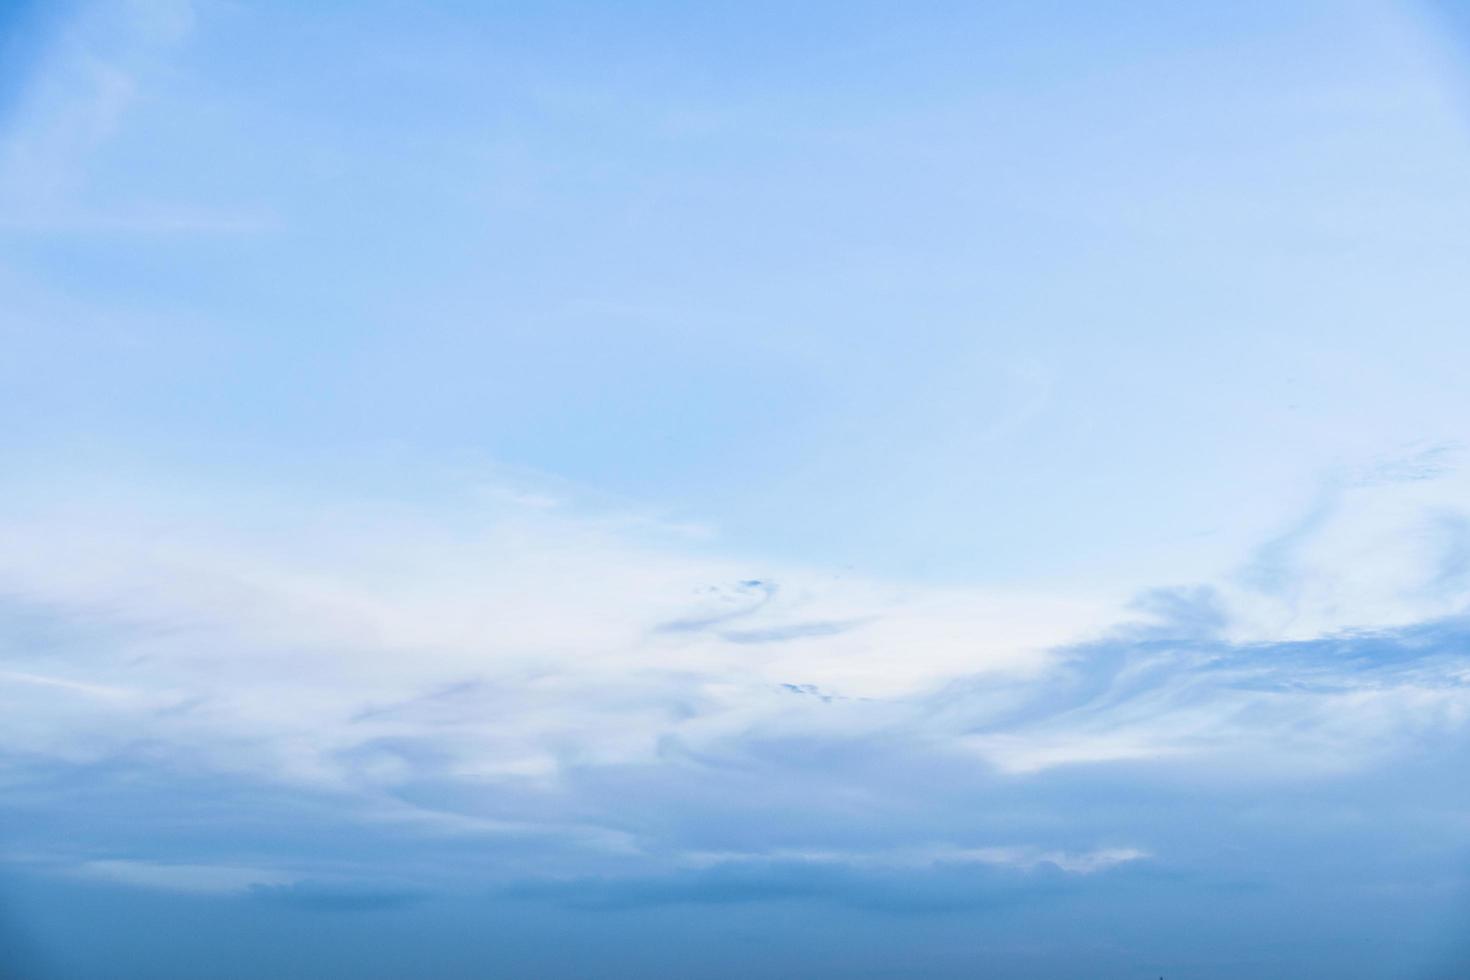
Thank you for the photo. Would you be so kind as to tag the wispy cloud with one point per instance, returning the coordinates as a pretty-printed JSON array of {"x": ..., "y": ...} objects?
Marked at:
[
  {"x": 78, "y": 92},
  {"x": 200, "y": 879}
]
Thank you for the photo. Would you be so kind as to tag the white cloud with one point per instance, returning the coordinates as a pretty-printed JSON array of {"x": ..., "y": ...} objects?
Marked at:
[
  {"x": 521, "y": 640},
  {"x": 1024, "y": 858},
  {"x": 502, "y": 649}
]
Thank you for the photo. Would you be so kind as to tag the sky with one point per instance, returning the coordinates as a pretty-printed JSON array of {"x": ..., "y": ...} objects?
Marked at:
[{"x": 734, "y": 490}]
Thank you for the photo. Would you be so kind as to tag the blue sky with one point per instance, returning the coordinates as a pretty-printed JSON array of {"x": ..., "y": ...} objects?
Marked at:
[{"x": 573, "y": 489}]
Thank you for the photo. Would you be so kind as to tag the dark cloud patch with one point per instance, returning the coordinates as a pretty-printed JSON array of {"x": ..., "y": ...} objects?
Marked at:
[
  {"x": 792, "y": 631},
  {"x": 721, "y": 605},
  {"x": 809, "y": 690}
]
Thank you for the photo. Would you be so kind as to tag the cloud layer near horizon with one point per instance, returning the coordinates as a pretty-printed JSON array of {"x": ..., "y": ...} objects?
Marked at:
[{"x": 589, "y": 695}]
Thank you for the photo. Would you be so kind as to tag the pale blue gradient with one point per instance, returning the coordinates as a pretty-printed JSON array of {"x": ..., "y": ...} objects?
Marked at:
[{"x": 836, "y": 489}]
